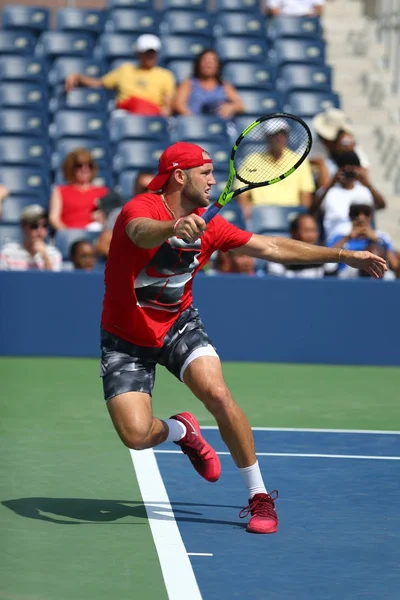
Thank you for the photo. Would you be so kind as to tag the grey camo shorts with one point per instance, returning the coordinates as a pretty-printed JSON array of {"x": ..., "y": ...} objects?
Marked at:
[{"x": 126, "y": 367}]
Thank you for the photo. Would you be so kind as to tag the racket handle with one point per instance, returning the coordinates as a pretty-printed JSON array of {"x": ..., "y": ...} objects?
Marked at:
[{"x": 211, "y": 212}]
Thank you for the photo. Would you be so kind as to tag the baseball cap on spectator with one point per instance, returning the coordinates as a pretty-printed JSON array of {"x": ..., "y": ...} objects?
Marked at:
[
  {"x": 274, "y": 126},
  {"x": 148, "y": 41},
  {"x": 108, "y": 202},
  {"x": 328, "y": 124},
  {"x": 31, "y": 214},
  {"x": 181, "y": 155}
]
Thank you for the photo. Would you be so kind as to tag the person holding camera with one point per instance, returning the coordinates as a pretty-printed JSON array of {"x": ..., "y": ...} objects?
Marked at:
[{"x": 350, "y": 185}]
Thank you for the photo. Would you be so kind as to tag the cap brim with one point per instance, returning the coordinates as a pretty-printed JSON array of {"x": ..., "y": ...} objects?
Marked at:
[{"x": 158, "y": 182}]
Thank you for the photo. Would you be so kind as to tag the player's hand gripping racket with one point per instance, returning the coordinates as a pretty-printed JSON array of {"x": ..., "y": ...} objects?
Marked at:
[{"x": 252, "y": 160}]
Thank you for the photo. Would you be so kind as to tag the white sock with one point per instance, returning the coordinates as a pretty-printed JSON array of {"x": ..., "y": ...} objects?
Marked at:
[
  {"x": 176, "y": 430},
  {"x": 253, "y": 480}
]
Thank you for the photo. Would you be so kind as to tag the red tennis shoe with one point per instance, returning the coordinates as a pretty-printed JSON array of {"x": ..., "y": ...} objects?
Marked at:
[
  {"x": 202, "y": 456},
  {"x": 263, "y": 515}
]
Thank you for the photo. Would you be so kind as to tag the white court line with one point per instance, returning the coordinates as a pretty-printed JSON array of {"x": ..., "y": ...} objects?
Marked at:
[
  {"x": 299, "y": 455},
  {"x": 310, "y": 430},
  {"x": 176, "y": 567},
  {"x": 200, "y": 554}
]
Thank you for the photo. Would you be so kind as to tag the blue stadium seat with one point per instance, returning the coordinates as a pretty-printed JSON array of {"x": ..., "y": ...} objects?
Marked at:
[
  {"x": 294, "y": 27},
  {"x": 187, "y": 22},
  {"x": 17, "y": 42},
  {"x": 250, "y": 76},
  {"x": 200, "y": 5},
  {"x": 240, "y": 23},
  {"x": 293, "y": 77},
  {"x": 14, "y": 205},
  {"x": 87, "y": 99},
  {"x": 137, "y": 155},
  {"x": 134, "y": 21},
  {"x": 62, "y": 67},
  {"x": 308, "y": 104},
  {"x": 200, "y": 127},
  {"x": 242, "y": 49},
  {"x": 131, "y": 127},
  {"x": 28, "y": 18},
  {"x": 23, "y": 122},
  {"x": 23, "y": 95},
  {"x": 111, "y": 46},
  {"x": 125, "y": 183},
  {"x": 175, "y": 47},
  {"x": 23, "y": 68},
  {"x": 64, "y": 238},
  {"x": 232, "y": 212},
  {"x": 182, "y": 69},
  {"x": 296, "y": 50},
  {"x": 26, "y": 181},
  {"x": 261, "y": 102},
  {"x": 53, "y": 44},
  {"x": 99, "y": 149},
  {"x": 242, "y": 122},
  {"x": 273, "y": 219},
  {"x": 9, "y": 233},
  {"x": 73, "y": 123},
  {"x": 249, "y": 6},
  {"x": 23, "y": 151},
  {"x": 75, "y": 19},
  {"x": 219, "y": 152},
  {"x": 130, "y": 4}
]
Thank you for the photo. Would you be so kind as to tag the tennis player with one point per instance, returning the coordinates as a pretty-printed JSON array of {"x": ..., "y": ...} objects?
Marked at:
[{"x": 148, "y": 318}]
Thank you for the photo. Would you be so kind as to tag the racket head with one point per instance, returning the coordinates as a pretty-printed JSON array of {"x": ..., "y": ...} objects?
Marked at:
[{"x": 252, "y": 154}]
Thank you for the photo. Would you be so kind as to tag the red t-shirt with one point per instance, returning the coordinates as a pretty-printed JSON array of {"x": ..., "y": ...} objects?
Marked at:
[
  {"x": 147, "y": 290},
  {"x": 77, "y": 204}
]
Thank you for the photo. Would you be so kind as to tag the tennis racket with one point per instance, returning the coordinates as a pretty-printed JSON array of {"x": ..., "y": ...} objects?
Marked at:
[{"x": 251, "y": 161}]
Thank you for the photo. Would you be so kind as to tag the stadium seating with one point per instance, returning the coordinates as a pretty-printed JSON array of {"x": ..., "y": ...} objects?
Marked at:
[
  {"x": 294, "y": 27},
  {"x": 70, "y": 123},
  {"x": 74, "y": 19},
  {"x": 23, "y": 69},
  {"x": 240, "y": 24},
  {"x": 52, "y": 44},
  {"x": 308, "y": 104},
  {"x": 298, "y": 50},
  {"x": 249, "y": 76},
  {"x": 14, "y": 205},
  {"x": 64, "y": 238},
  {"x": 103, "y": 178},
  {"x": 9, "y": 233},
  {"x": 131, "y": 127},
  {"x": 32, "y": 181},
  {"x": 111, "y": 46},
  {"x": 233, "y": 213},
  {"x": 250, "y": 6},
  {"x": 268, "y": 219},
  {"x": 137, "y": 155},
  {"x": 99, "y": 149},
  {"x": 23, "y": 95},
  {"x": 23, "y": 122},
  {"x": 83, "y": 99},
  {"x": 28, "y": 18},
  {"x": 261, "y": 102},
  {"x": 175, "y": 47},
  {"x": 63, "y": 66},
  {"x": 200, "y": 127},
  {"x": 130, "y": 4},
  {"x": 23, "y": 151},
  {"x": 134, "y": 21},
  {"x": 219, "y": 152},
  {"x": 17, "y": 42},
  {"x": 293, "y": 77},
  {"x": 187, "y": 22},
  {"x": 182, "y": 69},
  {"x": 125, "y": 183},
  {"x": 242, "y": 49},
  {"x": 200, "y": 5}
]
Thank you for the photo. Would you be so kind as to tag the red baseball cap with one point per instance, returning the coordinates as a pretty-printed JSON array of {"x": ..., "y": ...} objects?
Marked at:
[{"x": 181, "y": 155}]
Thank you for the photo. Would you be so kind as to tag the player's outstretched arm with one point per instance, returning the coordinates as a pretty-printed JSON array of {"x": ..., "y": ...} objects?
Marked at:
[{"x": 287, "y": 251}]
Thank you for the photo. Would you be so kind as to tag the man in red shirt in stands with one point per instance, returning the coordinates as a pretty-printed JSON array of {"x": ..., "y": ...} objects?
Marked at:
[{"x": 148, "y": 318}]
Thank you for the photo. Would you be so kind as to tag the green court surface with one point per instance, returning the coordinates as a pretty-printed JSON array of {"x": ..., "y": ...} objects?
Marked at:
[{"x": 72, "y": 521}]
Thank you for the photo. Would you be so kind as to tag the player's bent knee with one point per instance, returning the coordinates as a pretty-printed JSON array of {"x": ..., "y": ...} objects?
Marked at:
[
  {"x": 134, "y": 440},
  {"x": 218, "y": 399}
]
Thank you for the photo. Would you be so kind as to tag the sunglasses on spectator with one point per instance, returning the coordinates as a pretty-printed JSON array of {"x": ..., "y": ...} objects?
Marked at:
[
  {"x": 79, "y": 165},
  {"x": 37, "y": 225},
  {"x": 362, "y": 211}
]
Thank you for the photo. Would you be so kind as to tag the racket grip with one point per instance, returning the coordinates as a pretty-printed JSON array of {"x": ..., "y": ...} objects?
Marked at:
[{"x": 211, "y": 212}]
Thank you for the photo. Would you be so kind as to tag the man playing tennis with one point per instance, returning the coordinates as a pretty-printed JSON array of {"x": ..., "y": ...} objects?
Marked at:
[{"x": 148, "y": 318}]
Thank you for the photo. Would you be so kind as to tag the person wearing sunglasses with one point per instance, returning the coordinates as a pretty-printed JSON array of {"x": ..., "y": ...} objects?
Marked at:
[
  {"x": 32, "y": 252},
  {"x": 359, "y": 234},
  {"x": 72, "y": 204}
]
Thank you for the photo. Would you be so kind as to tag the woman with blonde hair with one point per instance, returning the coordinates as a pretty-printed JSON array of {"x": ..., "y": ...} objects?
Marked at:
[{"x": 72, "y": 205}]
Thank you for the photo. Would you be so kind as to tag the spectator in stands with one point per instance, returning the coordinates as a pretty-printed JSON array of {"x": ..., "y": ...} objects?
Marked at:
[
  {"x": 144, "y": 89},
  {"x": 112, "y": 207},
  {"x": 206, "y": 92},
  {"x": 3, "y": 195},
  {"x": 72, "y": 205},
  {"x": 294, "y": 8},
  {"x": 33, "y": 252},
  {"x": 83, "y": 255},
  {"x": 358, "y": 234},
  {"x": 296, "y": 190},
  {"x": 353, "y": 187},
  {"x": 303, "y": 228}
]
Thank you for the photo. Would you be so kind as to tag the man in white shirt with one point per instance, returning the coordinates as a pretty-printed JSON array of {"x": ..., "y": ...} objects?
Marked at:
[
  {"x": 33, "y": 253},
  {"x": 349, "y": 186},
  {"x": 294, "y": 8}
]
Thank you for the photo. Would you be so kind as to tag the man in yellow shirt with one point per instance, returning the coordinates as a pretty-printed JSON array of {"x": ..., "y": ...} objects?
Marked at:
[
  {"x": 296, "y": 190},
  {"x": 143, "y": 89}
]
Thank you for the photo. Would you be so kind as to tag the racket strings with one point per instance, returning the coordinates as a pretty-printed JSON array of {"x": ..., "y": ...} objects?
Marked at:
[{"x": 270, "y": 150}]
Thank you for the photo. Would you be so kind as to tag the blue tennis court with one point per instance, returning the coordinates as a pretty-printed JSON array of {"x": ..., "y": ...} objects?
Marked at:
[{"x": 339, "y": 533}]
